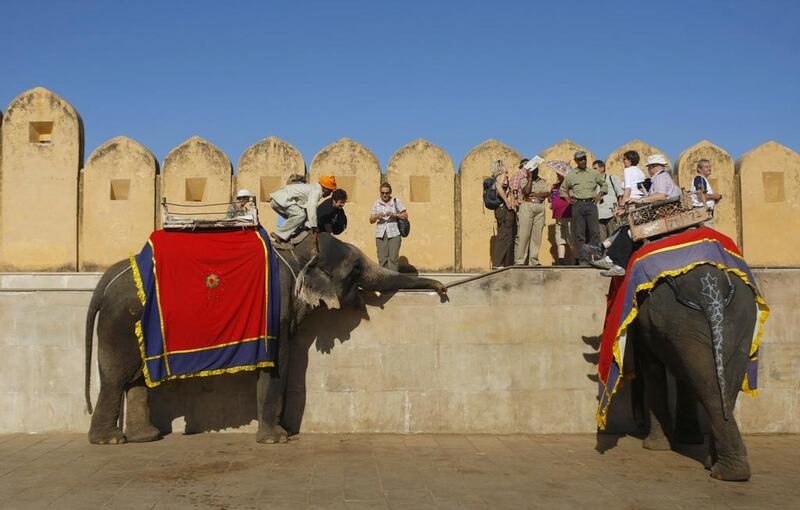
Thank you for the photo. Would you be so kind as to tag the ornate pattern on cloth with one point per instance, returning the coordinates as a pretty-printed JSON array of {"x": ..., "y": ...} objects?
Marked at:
[
  {"x": 211, "y": 303},
  {"x": 670, "y": 256}
]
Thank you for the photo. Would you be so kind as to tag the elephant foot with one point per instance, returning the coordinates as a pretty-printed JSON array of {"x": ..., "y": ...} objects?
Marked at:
[
  {"x": 143, "y": 434},
  {"x": 656, "y": 443},
  {"x": 272, "y": 434},
  {"x": 735, "y": 469},
  {"x": 112, "y": 436}
]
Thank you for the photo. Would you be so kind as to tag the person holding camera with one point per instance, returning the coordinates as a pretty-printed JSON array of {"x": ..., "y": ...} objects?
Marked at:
[{"x": 385, "y": 212}]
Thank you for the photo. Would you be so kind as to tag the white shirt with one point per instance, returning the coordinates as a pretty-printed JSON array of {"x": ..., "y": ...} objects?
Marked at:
[
  {"x": 385, "y": 225},
  {"x": 605, "y": 209},
  {"x": 305, "y": 195},
  {"x": 709, "y": 203},
  {"x": 632, "y": 176}
]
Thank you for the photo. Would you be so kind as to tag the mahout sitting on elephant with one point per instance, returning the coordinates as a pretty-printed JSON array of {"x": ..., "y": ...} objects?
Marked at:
[
  {"x": 696, "y": 312},
  {"x": 319, "y": 270}
]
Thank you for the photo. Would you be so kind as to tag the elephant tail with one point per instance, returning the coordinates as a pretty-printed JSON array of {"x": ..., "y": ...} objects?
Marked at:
[
  {"x": 94, "y": 307},
  {"x": 714, "y": 307},
  {"x": 91, "y": 314}
]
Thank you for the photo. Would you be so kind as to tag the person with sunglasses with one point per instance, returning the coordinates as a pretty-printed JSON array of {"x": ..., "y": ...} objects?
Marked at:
[{"x": 385, "y": 213}]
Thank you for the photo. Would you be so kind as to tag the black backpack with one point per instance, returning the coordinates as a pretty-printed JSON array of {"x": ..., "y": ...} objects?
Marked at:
[{"x": 491, "y": 200}]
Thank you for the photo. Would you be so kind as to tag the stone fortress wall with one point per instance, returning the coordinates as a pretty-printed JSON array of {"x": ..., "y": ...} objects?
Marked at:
[{"x": 59, "y": 212}]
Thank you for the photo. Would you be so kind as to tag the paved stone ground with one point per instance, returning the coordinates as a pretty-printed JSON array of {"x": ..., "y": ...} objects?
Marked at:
[{"x": 384, "y": 471}]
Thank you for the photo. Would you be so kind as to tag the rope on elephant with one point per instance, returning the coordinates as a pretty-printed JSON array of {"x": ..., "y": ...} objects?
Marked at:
[
  {"x": 115, "y": 278},
  {"x": 278, "y": 253}
]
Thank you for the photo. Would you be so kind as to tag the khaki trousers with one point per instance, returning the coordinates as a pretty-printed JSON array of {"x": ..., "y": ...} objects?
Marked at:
[{"x": 530, "y": 224}]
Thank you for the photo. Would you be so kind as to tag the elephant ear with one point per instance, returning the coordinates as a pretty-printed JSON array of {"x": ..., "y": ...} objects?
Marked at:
[{"x": 314, "y": 286}]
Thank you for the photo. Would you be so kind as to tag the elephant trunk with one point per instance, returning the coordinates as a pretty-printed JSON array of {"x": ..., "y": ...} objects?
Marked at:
[
  {"x": 713, "y": 307},
  {"x": 380, "y": 279}
]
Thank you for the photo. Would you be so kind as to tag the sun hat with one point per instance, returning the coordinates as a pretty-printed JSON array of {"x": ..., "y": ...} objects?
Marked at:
[
  {"x": 328, "y": 181},
  {"x": 243, "y": 193},
  {"x": 580, "y": 155},
  {"x": 656, "y": 159}
]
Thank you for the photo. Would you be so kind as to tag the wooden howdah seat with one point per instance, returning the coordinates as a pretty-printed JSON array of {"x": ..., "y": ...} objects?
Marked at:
[
  {"x": 671, "y": 215},
  {"x": 203, "y": 217}
]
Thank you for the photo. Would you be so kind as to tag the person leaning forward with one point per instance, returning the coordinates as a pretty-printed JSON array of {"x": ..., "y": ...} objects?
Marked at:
[
  {"x": 297, "y": 204},
  {"x": 584, "y": 188}
]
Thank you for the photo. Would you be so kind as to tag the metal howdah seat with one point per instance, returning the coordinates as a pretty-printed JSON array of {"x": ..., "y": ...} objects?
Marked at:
[
  {"x": 659, "y": 218},
  {"x": 202, "y": 217}
]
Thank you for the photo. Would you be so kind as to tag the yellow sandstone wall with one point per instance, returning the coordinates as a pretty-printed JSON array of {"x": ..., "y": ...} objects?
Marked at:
[
  {"x": 614, "y": 160},
  {"x": 196, "y": 172},
  {"x": 358, "y": 172},
  {"x": 263, "y": 168},
  {"x": 565, "y": 151},
  {"x": 769, "y": 178},
  {"x": 727, "y": 216},
  {"x": 475, "y": 223},
  {"x": 422, "y": 175},
  {"x": 117, "y": 202},
  {"x": 42, "y": 138}
]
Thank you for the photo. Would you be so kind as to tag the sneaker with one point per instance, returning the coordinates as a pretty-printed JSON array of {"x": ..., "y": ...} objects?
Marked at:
[
  {"x": 604, "y": 263},
  {"x": 614, "y": 271}
]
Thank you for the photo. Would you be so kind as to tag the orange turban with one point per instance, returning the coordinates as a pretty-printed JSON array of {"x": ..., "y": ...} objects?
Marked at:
[{"x": 328, "y": 181}]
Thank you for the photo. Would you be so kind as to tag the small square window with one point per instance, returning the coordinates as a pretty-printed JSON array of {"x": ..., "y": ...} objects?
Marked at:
[
  {"x": 774, "y": 189},
  {"x": 195, "y": 189},
  {"x": 267, "y": 185},
  {"x": 347, "y": 183},
  {"x": 40, "y": 132},
  {"x": 420, "y": 188},
  {"x": 120, "y": 189}
]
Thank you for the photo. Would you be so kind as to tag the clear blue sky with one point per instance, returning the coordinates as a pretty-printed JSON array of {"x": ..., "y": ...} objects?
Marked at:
[{"x": 385, "y": 73}]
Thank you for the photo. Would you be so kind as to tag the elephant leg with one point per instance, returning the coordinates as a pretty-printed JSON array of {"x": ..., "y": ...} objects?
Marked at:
[
  {"x": 655, "y": 385},
  {"x": 105, "y": 419},
  {"x": 138, "y": 428},
  {"x": 729, "y": 458},
  {"x": 270, "y": 393},
  {"x": 687, "y": 426}
]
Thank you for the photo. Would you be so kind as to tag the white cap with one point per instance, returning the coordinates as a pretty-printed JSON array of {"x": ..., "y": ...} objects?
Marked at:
[
  {"x": 243, "y": 193},
  {"x": 656, "y": 159},
  {"x": 533, "y": 163}
]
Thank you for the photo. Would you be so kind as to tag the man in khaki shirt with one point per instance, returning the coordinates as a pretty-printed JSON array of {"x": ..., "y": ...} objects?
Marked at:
[
  {"x": 530, "y": 214},
  {"x": 584, "y": 188}
]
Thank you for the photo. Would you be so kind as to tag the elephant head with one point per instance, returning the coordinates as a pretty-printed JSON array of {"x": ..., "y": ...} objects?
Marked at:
[{"x": 331, "y": 273}]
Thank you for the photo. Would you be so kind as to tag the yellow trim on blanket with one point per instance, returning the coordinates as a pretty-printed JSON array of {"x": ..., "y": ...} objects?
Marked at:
[
  {"x": 160, "y": 314},
  {"x": 137, "y": 278},
  {"x": 763, "y": 313},
  {"x": 218, "y": 346},
  {"x": 206, "y": 373},
  {"x": 266, "y": 291}
]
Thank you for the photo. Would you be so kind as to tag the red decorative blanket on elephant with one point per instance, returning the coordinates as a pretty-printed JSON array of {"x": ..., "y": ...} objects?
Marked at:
[
  {"x": 670, "y": 256},
  {"x": 211, "y": 303}
]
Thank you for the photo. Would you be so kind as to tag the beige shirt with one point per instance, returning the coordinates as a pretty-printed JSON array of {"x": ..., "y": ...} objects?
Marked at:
[{"x": 305, "y": 195}]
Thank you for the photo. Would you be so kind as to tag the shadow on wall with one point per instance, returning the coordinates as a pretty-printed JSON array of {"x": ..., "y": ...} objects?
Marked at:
[{"x": 216, "y": 403}]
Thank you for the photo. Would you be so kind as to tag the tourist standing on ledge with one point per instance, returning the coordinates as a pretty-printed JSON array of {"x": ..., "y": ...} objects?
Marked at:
[
  {"x": 331, "y": 217},
  {"x": 608, "y": 204},
  {"x": 531, "y": 191},
  {"x": 562, "y": 213},
  {"x": 584, "y": 188},
  {"x": 297, "y": 204},
  {"x": 505, "y": 214},
  {"x": 700, "y": 183},
  {"x": 385, "y": 212}
]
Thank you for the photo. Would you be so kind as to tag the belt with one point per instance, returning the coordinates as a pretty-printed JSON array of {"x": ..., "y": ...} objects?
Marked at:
[
  {"x": 584, "y": 199},
  {"x": 533, "y": 200}
]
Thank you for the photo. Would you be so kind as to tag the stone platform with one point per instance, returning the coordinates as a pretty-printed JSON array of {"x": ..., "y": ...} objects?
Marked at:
[{"x": 216, "y": 471}]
